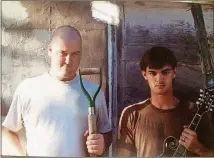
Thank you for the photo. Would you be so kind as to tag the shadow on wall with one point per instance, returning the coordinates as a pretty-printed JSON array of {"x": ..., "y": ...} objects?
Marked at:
[
  {"x": 4, "y": 108},
  {"x": 19, "y": 53},
  {"x": 20, "y": 60}
]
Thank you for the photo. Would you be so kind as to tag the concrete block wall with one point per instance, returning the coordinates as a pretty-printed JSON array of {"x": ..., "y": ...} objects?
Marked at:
[{"x": 27, "y": 27}]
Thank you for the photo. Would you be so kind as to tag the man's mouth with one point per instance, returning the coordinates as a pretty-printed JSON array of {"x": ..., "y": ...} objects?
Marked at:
[
  {"x": 67, "y": 65},
  {"x": 160, "y": 85}
]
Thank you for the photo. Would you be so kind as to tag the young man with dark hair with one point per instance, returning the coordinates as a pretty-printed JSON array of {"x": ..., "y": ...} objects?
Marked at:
[{"x": 144, "y": 126}]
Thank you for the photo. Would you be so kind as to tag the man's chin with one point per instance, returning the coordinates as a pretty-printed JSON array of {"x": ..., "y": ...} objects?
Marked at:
[
  {"x": 160, "y": 92},
  {"x": 67, "y": 76}
]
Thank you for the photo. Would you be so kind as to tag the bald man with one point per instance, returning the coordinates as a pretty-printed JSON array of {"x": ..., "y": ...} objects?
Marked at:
[{"x": 53, "y": 109}]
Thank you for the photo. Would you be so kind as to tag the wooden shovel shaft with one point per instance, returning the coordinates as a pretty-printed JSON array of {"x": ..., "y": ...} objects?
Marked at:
[
  {"x": 90, "y": 71},
  {"x": 92, "y": 125}
]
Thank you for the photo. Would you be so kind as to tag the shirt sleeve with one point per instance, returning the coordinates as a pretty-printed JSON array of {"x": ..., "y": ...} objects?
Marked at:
[
  {"x": 13, "y": 120},
  {"x": 126, "y": 131},
  {"x": 103, "y": 121},
  {"x": 206, "y": 131}
]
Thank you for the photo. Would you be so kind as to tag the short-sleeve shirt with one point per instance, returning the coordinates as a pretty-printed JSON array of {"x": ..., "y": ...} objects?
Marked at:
[
  {"x": 55, "y": 115},
  {"x": 143, "y": 128}
]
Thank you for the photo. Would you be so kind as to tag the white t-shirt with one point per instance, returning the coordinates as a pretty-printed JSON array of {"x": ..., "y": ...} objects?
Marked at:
[{"x": 55, "y": 115}]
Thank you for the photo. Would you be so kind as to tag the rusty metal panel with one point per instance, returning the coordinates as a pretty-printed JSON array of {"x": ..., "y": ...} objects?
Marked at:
[
  {"x": 184, "y": 53},
  {"x": 131, "y": 94},
  {"x": 156, "y": 22},
  {"x": 174, "y": 33},
  {"x": 159, "y": 24}
]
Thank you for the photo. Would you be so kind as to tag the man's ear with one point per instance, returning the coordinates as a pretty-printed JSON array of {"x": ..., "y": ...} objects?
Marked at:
[
  {"x": 49, "y": 50},
  {"x": 144, "y": 74},
  {"x": 174, "y": 70}
]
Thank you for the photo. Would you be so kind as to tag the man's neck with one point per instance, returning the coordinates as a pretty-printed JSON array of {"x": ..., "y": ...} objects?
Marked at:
[
  {"x": 164, "y": 102},
  {"x": 58, "y": 77}
]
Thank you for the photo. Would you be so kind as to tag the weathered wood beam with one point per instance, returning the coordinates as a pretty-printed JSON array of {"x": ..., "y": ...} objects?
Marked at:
[
  {"x": 205, "y": 54},
  {"x": 197, "y": 1},
  {"x": 181, "y": 1},
  {"x": 201, "y": 37}
]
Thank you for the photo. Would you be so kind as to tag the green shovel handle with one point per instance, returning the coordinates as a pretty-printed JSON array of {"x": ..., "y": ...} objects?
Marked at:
[{"x": 90, "y": 100}]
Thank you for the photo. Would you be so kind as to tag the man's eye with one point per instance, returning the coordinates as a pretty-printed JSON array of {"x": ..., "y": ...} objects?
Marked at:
[
  {"x": 74, "y": 54},
  {"x": 63, "y": 53},
  {"x": 165, "y": 72},
  {"x": 152, "y": 73}
]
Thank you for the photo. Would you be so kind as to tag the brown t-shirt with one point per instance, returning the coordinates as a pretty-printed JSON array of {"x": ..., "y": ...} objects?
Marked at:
[{"x": 143, "y": 128}]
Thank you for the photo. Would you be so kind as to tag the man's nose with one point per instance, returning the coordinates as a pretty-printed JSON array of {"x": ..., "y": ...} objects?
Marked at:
[
  {"x": 159, "y": 77},
  {"x": 68, "y": 59}
]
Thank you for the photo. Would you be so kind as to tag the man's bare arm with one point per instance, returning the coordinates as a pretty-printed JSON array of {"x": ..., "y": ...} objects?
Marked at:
[
  {"x": 11, "y": 139},
  {"x": 203, "y": 152},
  {"x": 107, "y": 139}
]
